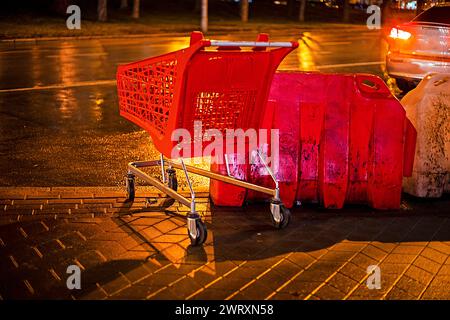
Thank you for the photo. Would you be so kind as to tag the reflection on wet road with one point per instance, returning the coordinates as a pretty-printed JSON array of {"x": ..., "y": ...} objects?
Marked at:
[{"x": 59, "y": 122}]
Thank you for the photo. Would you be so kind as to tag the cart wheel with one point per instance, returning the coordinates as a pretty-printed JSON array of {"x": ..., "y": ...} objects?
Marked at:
[
  {"x": 202, "y": 233},
  {"x": 129, "y": 180},
  {"x": 276, "y": 208},
  {"x": 172, "y": 183}
]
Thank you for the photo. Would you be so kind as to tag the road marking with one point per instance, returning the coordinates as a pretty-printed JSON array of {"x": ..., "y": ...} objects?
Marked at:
[
  {"x": 23, "y": 51},
  {"x": 79, "y": 55},
  {"x": 345, "y": 65},
  {"x": 62, "y": 86},
  {"x": 334, "y": 43},
  {"x": 113, "y": 82}
]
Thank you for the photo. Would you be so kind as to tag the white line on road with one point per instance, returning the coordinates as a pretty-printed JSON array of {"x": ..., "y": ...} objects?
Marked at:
[
  {"x": 334, "y": 43},
  {"x": 62, "y": 86},
  {"x": 79, "y": 55},
  {"x": 113, "y": 82},
  {"x": 322, "y": 52},
  {"x": 344, "y": 65},
  {"x": 22, "y": 51}
]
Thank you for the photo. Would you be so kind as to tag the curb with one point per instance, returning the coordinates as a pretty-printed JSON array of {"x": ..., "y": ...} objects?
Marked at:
[
  {"x": 168, "y": 34},
  {"x": 24, "y": 193},
  {"x": 137, "y": 36}
]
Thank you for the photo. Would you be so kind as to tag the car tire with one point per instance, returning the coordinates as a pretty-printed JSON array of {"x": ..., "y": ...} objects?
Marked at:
[{"x": 405, "y": 85}]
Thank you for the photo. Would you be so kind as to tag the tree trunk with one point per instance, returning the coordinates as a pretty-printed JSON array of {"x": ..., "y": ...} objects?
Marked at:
[
  {"x": 301, "y": 14},
  {"x": 136, "y": 4},
  {"x": 204, "y": 16},
  {"x": 102, "y": 10},
  {"x": 385, "y": 11},
  {"x": 123, "y": 4},
  {"x": 420, "y": 5},
  {"x": 244, "y": 10},
  {"x": 346, "y": 11}
]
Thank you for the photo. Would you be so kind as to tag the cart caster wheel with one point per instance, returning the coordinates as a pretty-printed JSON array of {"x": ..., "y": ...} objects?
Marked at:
[
  {"x": 172, "y": 183},
  {"x": 202, "y": 233},
  {"x": 130, "y": 187},
  {"x": 280, "y": 215}
]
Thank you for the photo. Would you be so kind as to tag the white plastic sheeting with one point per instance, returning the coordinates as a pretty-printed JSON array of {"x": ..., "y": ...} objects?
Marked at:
[{"x": 428, "y": 108}]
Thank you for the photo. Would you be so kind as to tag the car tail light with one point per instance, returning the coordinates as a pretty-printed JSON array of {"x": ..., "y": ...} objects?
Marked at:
[{"x": 399, "y": 34}]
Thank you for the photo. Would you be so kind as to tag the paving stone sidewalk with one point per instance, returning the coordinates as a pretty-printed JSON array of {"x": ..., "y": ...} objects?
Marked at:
[{"x": 141, "y": 250}]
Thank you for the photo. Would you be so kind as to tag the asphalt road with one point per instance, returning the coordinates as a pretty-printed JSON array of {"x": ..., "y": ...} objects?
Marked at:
[{"x": 59, "y": 121}]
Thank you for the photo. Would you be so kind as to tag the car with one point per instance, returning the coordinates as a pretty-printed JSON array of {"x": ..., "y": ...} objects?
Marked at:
[{"x": 420, "y": 47}]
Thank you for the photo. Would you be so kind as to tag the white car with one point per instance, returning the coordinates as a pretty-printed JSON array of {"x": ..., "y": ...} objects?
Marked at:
[{"x": 420, "y": 47}]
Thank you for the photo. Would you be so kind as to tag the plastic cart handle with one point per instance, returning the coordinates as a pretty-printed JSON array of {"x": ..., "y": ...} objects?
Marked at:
[{"x": 219, "y": 43}]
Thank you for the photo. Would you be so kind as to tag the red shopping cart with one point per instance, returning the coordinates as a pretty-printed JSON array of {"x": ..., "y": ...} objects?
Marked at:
[{"x": 223, "y": 84}]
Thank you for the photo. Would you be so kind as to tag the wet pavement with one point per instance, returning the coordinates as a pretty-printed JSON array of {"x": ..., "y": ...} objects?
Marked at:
[
  {"x": 59, "y": 127},
  {"x": 59, "y": 121},
  {"x": 142, "y": 251}
]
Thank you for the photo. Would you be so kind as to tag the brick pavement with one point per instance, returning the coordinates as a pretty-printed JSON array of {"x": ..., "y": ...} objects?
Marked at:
[{"x": 141, "y": 251}]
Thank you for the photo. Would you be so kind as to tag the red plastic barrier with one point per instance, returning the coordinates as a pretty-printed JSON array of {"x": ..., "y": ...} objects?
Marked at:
[
  {"x": 343, "y": 139},
  {"x": 224, "y": 194}
]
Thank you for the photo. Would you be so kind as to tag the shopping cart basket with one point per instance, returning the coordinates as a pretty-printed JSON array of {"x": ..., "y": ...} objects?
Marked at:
[{"x": 223, "y": 84}]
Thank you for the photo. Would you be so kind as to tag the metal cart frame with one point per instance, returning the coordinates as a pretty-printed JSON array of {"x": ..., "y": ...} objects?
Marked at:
[{"x": 197, "y": 230}]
